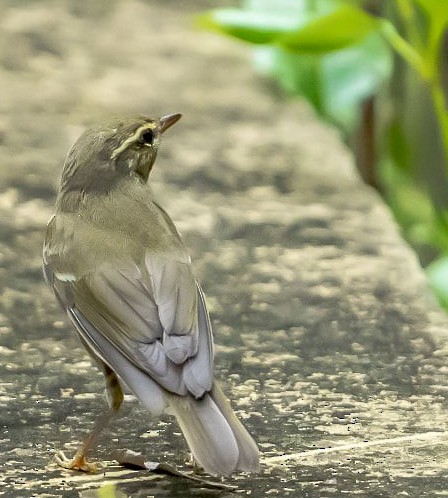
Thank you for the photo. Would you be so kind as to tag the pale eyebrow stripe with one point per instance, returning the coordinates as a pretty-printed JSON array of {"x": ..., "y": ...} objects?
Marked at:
[{"x": 132, "y": 138}]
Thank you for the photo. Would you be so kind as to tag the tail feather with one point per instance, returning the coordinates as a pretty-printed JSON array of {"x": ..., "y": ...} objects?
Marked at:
[
  {"x": 217, "y": 439},
  {"x": 248, "y": 458}
]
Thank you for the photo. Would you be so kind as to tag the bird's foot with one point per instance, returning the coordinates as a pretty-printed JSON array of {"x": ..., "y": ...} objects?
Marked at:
[
  {"x": 78, "y": 462},
  {"x": 196, "y": 468}
]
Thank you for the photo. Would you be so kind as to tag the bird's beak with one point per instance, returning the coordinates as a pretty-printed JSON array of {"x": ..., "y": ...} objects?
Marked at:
[{"x": 166, "y": 121}]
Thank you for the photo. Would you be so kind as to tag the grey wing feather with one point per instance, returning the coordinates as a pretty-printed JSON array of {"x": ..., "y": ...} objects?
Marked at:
[
  {"x": 154, "y": 317},
  {"x": 145, "y": 388},
  {"x": 174, "y": 292},
  {"x": 198, "y": 371}
]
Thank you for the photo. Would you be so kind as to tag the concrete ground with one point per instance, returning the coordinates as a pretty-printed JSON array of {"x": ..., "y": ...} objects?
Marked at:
[{"x": 328, "y": 341}]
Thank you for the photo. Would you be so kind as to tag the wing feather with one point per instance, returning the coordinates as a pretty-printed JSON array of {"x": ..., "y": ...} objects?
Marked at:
[
  {"x": 148, "y": 356},
  {"x": 145, "y": 388},
  {"x": 198, "y": 371},
  {"x": 153, "y": 315}
]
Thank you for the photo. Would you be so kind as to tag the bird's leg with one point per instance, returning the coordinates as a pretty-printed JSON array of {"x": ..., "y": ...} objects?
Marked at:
[{"x": 114, "y": 398}]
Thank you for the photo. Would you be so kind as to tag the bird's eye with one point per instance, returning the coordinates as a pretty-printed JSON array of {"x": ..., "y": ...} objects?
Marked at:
[{"x": 147, "y": 137}]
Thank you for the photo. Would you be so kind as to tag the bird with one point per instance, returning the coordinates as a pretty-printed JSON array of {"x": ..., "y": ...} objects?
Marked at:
[{"x": 120, "y": 270}]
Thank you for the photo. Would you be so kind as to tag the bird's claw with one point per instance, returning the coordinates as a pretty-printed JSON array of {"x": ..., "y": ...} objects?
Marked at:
[{"x": 78, "y": 462}]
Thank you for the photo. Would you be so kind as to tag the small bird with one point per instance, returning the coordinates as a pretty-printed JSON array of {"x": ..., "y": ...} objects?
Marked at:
[{"x": 120, "y": 270}]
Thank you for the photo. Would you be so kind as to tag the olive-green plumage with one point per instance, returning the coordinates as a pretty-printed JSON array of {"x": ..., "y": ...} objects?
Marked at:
[{"x": 120, "y": 270}]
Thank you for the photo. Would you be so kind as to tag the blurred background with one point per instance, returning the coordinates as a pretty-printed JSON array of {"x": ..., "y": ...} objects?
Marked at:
[{"x": 378, "y": 71}]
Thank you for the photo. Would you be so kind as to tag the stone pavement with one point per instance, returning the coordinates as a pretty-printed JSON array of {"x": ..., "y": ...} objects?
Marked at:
[{"x": 328, "y": 342}]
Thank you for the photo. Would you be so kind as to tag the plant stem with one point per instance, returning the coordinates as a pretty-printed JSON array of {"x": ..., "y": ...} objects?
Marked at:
[
  {"x": 409, "y": 54},
  {"x": 406, "y": 10},
  {"x": 427, "y": 67},
  {"x": 438, "y": 98}
]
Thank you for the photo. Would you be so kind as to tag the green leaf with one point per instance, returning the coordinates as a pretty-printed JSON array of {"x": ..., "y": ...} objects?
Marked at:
[
  {"x": 299, "y": 75},
  {"x": 435, "y": 9},
  {"x": 250, "y": 26},
  {"x": 345, "y": 26},
  {"x": 108, "y": 491},
  {"x": 437, "y": 14},
  {"x": 336, "y": 83},
  {"x": 438, "y": 279},
  {"x": 264, "y": 22},
  {"x": 352, "y": 75}
]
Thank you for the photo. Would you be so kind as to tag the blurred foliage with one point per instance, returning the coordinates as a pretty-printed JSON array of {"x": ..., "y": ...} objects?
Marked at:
[
  {"x": 109, "y": 491},
  {"x": 327, "y": 51},
  {"x": 378, "y": 71}
]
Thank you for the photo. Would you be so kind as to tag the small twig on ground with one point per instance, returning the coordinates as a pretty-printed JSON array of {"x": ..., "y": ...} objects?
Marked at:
[{"x": 134, "y": 460}]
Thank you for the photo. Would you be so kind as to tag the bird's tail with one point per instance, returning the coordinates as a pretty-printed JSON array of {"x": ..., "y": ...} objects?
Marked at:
[{"x": 217, "y": 439}]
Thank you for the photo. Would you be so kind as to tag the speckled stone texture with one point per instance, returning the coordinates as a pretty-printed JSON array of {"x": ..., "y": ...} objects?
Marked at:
[{"x": 328, "y": 341}]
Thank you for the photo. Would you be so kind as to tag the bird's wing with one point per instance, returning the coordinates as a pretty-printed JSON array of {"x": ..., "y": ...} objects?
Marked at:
[{"x": 153, "y": 314}]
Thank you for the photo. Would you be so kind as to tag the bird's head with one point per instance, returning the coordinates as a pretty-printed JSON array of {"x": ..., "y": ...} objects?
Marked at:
[{"x": 109, "y": 152}]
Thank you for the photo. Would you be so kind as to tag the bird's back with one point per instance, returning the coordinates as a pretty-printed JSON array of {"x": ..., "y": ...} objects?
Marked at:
[{"x": 89, "y": 232}]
